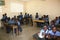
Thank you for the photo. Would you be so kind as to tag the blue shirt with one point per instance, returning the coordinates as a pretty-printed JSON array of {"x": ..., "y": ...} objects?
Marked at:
[
  {"x": 4, "y": 17},
  {"x": 25, "y": 16},
  {"x": 20, "y": 17},
  {"x": 57, "y": 33},
  {"x": 57, "y": 22},
  {"x": 18, "y": 23},
  {"x": 11, "y": 22},
  {"x": 46, "y": 19}
]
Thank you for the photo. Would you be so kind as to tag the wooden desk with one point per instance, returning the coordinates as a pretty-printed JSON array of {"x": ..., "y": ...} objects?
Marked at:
[
  {"x": 13, "y": 27},
  {"x": 34, "y": 21}
]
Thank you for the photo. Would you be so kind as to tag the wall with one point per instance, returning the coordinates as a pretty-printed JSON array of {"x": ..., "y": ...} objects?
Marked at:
[
  {"x": 6, "y": 8},
  {"x": 48, "y": 7}
]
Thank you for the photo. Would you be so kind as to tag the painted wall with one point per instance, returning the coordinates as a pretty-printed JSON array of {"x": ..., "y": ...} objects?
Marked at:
[
  {"x": 48, "y": 7},
  {"x": 6, "y": 8}
]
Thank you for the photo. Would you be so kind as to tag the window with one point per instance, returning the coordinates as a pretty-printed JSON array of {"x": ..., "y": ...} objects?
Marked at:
[
  {"x": 16, "y": 7},
  {"x": 0, "y": 8}
]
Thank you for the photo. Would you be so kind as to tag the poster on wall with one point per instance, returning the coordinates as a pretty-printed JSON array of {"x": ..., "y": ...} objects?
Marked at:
[{"x": 2, "y": 2}]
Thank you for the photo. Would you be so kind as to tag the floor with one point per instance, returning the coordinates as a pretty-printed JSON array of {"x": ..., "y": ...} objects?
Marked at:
[{"x": 27, "y": 34}]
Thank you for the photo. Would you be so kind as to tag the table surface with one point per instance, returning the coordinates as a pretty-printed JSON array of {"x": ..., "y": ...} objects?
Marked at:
[{"x": 38, "y": 21}]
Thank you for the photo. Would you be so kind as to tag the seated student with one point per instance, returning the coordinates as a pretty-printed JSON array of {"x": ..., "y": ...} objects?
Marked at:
[
  {"x": 37, "y": 16},
  {"x": 52, "y": 23},
  {"x": 11, "y": 21},
  {"x": 4, "y": 17},
  {"x": 26, "y": 17},
  {"x": 19, "y": 26},
  {"x": 56, "y": 21},
  {"x": 46, "y": 18},
  {"x": 53, "y": 34},
  {"x": 31, "y": 18},
  {"x": 21, "y": 18},
  {"x": 15, "y": 17},
  {"x": 43, "y": 33}
]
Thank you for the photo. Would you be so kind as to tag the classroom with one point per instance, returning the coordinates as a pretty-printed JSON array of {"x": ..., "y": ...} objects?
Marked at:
[{"x": 29, "y": 19}]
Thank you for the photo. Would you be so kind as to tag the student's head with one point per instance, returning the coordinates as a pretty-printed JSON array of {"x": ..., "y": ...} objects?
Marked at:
[
  {"x": 44, "y": 16},
  {"x": 45, "y": 27},
  {"x": 56, "y": 18},
  {"x": 25, "y": 13},
  {"x": 5, "y": 14},
  {"x": 28, "y": 14},
  {"x": 54, "y": 29},
  {"x": 52, "y": 22},
  {"x": 21, "y": 13},
  {"x": 36, "y": 13},
  {"x": 14, "y": 16}
]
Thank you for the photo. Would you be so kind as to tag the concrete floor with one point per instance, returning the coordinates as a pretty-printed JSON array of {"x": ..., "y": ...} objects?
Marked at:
[{"x": 27, "y": 34}]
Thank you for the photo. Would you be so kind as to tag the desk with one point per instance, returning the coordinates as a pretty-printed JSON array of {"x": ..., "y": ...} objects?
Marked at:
[
  {"x": 34, "y": 21},
  {"x": 13, "y": 27}
]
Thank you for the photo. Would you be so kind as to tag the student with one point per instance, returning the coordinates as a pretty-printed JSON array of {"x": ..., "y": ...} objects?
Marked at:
[
  {"x": 11, "y": 21},
  {"x": 43, "y": 33},
  {"x": 46, "y": 18},
  {"x": 21, "y": 18},
  {"x": 57, "y": 21},
  {"x": 19, "y": 26},
  {"x": 4, "y": 18},
  {"x": 30, "y": 16},
  {"x": 15, "y": 17},
  {"x": 54, "y": 33},
  {"x": 26, "y": 18},
  {"x": 37, "y": 16}
]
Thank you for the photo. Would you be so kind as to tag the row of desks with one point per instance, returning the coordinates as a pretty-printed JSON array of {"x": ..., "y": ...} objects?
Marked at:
[
  {"x": 11, "y": 26},
  {"x": 34, "y": 21},
  {"x": 15, "y": 26}
]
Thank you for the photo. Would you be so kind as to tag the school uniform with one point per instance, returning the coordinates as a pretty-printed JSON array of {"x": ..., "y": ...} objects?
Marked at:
[
  {"x": 52, "y": 34},
  {"x": 19, "y": 26},
  {"x": 46, "y": 20},
  {"x": 41, "y": 36},
  {"x": 57, "y": 33},
  {"x": 57, "y": 22},
  {"x": 26, "y": 18},
  {"x": 11, "y": 22},
  {"x": 4, "y": 18},
  {"x": 21, "y": 19}
]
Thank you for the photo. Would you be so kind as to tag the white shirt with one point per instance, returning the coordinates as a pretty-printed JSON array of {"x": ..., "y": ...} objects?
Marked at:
[{"x": 41, "y": 33}]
